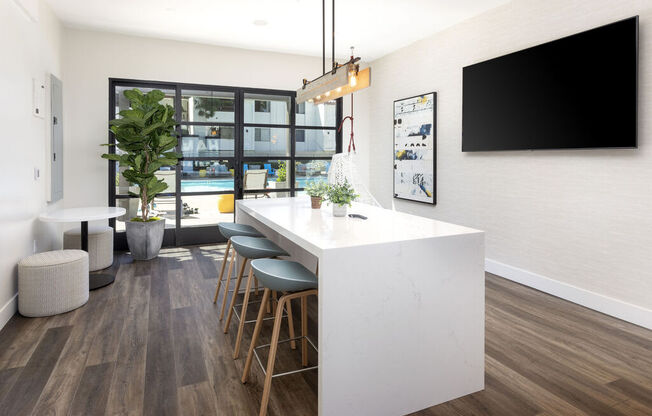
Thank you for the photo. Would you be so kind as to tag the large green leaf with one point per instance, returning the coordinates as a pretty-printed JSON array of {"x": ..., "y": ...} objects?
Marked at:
[
  {"x": 154, "y": 96},
  {"x": 172, "y": 155},
  {"x": 132, "y": 114},
  {"x": 138, "y": 161},
  {"x": 111, "y": 156},
  {"x": 134, "y": 96},
  {"x": 147, "y": 130}
]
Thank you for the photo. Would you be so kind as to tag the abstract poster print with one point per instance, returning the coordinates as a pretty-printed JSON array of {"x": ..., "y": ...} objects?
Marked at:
[{"x": 415, "y": 148}]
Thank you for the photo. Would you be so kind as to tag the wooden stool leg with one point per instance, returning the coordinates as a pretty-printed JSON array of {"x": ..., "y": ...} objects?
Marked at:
[
  {"x": 228, "y": 283},
  {"x": 243, "y": 314},
  {"x": 254, "y": 337},
  {"x": 304, "y": 331},
  {"x": 274, "y": 301},
  {"x": 256, "y": 282},
  {"x": 235, "y": 295},
  {"x": 219, "y": 280},
  {"x": 288, "y": 307},
  {"x": 272, "y": 356}
]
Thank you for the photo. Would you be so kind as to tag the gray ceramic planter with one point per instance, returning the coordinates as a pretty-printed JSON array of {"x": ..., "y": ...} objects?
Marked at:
[
  {"x": 145, "y": 238},
  {"x": 339, "y": 210}
]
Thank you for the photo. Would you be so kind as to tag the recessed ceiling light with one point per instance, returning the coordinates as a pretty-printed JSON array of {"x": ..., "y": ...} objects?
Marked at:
[{"x": 260, "y": 22}]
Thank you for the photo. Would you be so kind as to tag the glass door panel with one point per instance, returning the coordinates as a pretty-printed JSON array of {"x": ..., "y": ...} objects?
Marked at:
[
  {"x": 267, "y": 109},
  {"x": 306, "y": 171},
  {"x": 319, "y": 115},
  {"x": 235, "y": 143},
  {"x": 266, "y": 141},
  {"x": 315, "y": 142},
  {"x": 207, "y": 141},
  {"x": 206, "y": 210},
  {"x": 207, "y": 176},
  {"x": 207, "y": 106}
]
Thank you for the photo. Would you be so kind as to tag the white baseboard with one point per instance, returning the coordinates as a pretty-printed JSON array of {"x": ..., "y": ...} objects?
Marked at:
[
  {"x": 601, "y": 303},
  {"x": 8, "y": 310}
]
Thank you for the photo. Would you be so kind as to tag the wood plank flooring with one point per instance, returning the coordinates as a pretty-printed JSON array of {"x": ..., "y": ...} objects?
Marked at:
[{"x": 151, "y": 344}]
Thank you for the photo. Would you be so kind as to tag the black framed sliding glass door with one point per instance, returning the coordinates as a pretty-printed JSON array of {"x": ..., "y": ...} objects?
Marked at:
[{"x": 236, "y": 143}]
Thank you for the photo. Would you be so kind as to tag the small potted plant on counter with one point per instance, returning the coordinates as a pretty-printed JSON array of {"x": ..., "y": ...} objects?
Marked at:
[
  {"x": 146, "y": 137},
  {"x": 317, "y": 191},
  {"x": 341, "y": 196}
]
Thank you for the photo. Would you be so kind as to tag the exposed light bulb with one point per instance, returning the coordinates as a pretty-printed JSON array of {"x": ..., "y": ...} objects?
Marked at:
[
  {"x": 310, "y": 100},
  {"x": 353, "y": 81},
  {"x": 328, "y": 93},
  {"x": 339, "y": 89},
  {"x": 319, "y": 97}
]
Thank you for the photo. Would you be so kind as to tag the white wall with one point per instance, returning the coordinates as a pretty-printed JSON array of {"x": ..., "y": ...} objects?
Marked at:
[
  {"x": 91, "y": 58},
  {"x": 29, "y": 50},
  {"x": 574, "y": 217}
]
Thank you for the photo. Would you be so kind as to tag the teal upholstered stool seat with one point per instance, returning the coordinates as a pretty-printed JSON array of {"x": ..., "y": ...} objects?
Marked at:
[
  {"x": 283, "y": 275},
  {"x": 256, "y": 248},
  {"x": 231, "y": 229},
  {"x": 249, "y": 248},
  {"x": 295, "y": 282}
]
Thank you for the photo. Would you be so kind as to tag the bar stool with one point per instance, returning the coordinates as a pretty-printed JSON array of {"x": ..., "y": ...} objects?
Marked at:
[
  {"x": 250, "y": 248},
  {"x": 284, "y": 276},
  {"x": 229, "y": 230}
]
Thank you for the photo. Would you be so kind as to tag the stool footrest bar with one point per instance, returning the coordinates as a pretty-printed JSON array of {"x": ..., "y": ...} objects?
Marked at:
[{"x": 262, "y": 367}]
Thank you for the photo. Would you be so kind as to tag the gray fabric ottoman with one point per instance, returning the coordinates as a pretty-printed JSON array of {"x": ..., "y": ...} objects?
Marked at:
[
  {"x": 52, "y": 282},
  {"x": 100, "y": 245}
]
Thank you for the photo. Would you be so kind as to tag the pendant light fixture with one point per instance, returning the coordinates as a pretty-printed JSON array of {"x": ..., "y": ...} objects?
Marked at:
[{"x": 341, "y": 80}]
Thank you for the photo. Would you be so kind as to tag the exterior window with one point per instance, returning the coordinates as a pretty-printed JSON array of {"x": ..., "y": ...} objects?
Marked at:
[
  {"x": 261, "y": 135},
  {"x": 236, "y": 143},
  {"x": 261, "y": 106}
]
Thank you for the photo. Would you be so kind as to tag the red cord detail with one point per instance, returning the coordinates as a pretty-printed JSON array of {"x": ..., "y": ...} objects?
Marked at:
[{"x": 351, "y": 141}]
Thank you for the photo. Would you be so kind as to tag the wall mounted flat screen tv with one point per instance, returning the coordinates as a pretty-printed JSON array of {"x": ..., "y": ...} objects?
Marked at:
[{"x": 575, "y": 92}]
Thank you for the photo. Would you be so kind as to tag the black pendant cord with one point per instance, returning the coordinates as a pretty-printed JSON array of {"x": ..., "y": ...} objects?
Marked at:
[
  {"x": 323, "y": 36},
  {"x": 333, "y": 55}
]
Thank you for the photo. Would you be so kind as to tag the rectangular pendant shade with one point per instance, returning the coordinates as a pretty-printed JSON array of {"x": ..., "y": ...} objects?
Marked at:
[{"x": 332, "y": 86}]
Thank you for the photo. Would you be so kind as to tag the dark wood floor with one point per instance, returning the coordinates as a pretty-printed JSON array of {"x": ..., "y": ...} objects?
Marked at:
[{"x": 151, "y": 344}]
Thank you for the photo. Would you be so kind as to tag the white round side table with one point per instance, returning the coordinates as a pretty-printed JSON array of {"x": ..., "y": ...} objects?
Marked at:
[{"x": 83, "y": 215}]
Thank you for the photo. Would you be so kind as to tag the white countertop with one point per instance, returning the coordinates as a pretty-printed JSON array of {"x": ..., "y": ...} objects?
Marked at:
[
  {"x": 316, "y": 229},
  {"x": 82, "y": 214}
]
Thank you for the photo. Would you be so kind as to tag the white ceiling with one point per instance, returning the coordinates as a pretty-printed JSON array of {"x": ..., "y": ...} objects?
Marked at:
[{"x": 374, "y": 27}]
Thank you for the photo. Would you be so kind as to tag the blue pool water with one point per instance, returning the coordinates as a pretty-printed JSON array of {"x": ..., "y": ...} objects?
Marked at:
[{"x": 213, "y": 185}]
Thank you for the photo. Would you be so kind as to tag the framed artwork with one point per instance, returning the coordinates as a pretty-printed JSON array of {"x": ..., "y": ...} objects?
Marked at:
[{"x": 415, "y": 148}]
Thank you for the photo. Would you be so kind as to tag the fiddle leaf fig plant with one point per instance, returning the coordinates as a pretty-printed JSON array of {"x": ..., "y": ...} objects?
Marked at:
[{"x": 145, "y": 134}]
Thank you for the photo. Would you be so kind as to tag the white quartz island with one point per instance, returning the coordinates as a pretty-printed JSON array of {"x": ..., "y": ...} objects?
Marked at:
[{"x": 401, "y": 303}]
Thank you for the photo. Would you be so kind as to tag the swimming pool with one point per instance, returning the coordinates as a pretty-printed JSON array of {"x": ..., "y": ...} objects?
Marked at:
[{"x": 216, "y": 185}]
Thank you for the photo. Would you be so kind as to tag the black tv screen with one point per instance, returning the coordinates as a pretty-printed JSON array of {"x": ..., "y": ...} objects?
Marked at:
[{"x": 575, "y": 92}]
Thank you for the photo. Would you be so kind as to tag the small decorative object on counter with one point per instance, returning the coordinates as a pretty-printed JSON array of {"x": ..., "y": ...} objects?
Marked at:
[
  {"x": 341, "y": 196},
  {"x": 317, "y": 191}
]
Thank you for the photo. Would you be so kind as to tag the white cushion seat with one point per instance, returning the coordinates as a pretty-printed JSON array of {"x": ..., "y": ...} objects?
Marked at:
[
  {"x": 100, "y": 245},
  {"x": 52, "y": 282}
]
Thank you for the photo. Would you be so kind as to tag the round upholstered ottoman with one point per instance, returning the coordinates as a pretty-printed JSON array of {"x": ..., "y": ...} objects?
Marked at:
[
  {"x": 100, "y": 245},
  {"x": 52, "y": 282}
]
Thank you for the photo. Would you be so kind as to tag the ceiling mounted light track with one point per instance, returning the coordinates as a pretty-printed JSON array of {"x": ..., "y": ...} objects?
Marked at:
[{"x": 341, "y": 80}]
